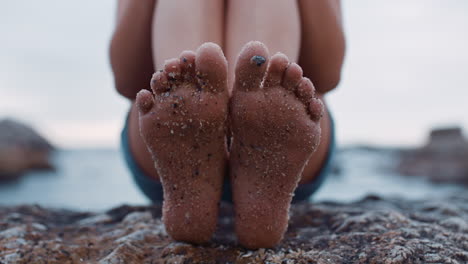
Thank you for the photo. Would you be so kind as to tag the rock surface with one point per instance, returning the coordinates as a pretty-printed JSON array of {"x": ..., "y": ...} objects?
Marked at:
[
  {"x": 444, "y": 158},
  {"x": 21, "y": 149},
  {"x": 373, "y": 230}
]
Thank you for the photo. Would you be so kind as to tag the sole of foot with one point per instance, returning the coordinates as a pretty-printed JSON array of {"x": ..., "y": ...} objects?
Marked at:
[
  {"x": 275, "y": 119},
  {"x": 183, "y": 123}
]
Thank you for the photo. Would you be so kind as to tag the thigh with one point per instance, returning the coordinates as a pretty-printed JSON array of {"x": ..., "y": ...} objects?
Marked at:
[{"x": 180, "y": 25}]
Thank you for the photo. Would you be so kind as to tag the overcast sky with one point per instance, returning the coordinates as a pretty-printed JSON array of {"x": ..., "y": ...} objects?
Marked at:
[{"x": 406, "y": 70}]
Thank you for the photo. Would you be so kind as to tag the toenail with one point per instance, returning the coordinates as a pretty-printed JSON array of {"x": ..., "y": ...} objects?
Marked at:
[{"x": 259, "y": 60}]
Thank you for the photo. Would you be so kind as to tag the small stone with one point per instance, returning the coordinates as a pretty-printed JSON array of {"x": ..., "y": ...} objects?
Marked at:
[
  {"x": 18, "y": 231},
  {"x": 94, "y": 220},
  {"x": 39, "y": 227},
  {"x": 137, "y": 217},
  {"x": 259, "y": 60}
]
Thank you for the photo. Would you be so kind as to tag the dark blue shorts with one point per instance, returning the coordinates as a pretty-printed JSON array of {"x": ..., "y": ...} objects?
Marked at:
[{"x": 154, "y": 191}]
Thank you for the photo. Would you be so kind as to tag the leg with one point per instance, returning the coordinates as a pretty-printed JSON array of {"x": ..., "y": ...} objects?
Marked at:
[
  {"x": 183, "y": 125},
  {"x": 323, "y": 43},
  {"x": 132, "y": 65},
  {"x": 249, "y": 223},
  {"x": 276, "y": 23},
  {"x": 321, "y": 58},
  {"x": 262, "y": 20},
  {"x": 174, "y": 16},
  {"x": 180, "y": 25},
  {"x": 130, "y": 49}
]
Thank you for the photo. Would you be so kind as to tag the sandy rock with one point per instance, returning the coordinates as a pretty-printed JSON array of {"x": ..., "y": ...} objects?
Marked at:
[
  {"x": 372, "y": 230},
  {"x": 21, "y": 149}
]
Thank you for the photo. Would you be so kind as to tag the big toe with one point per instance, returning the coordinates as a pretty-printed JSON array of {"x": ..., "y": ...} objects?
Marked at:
[
  {"x": 251, "y": 66},
  {"x": 211, "y": 67}
]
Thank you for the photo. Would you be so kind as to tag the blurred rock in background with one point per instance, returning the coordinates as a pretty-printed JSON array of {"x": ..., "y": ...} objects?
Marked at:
[
  {"x": 21, "y": 149},
  {"x": 444, "y": 158}
]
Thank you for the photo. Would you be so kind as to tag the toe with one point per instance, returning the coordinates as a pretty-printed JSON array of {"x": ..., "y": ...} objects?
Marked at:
[
  {"x": 172, "y": 69},
  {"x": 292, "y": 76},
  {"x": 144, "y": 101},
  {"x": 159, "y": 83},
  {"x": 275, "y": 72},
  {"x": 316, "y": 109},
  {"x": 305, "y": 90},
  {"x": 211, "y": 68},
  {"x": 187, "y": 65},
  {"x": 250, "y": 66}
]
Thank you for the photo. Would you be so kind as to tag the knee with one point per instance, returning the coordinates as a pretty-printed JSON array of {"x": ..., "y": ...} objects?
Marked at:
[
  {"x": 329, "y": 72},
  {"x": 124, "y": 87},
  {"x": 324, "y": 78},
  {"x": 327, "y": 82},
  {"x": 129, "y": 76},
  {"x": 324, "y": 71},
  {"x": 120, "y": 83}
]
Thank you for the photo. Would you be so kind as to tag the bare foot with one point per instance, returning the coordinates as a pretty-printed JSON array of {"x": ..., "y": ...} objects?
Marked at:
[
  {"x": 275, "y": 124},
  {"x": 184, "y": 125}
]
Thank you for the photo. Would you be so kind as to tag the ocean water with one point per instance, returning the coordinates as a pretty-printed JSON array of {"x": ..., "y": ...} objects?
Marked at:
[
  {"x": 83, "y": 179},
  {"x": 98, "y": 180}
]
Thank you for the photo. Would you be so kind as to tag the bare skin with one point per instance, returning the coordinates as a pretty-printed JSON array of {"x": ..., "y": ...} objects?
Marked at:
[
  {"x": 130, "y": 49},
  {"x": 185, "y": 25},
  {"x": 184, "y": 127},
  {"x": 148, "y": 24},
  {"x": 259, "y": 21},
  {"x": 322, "y": 42},
  {"x": 269, "y": 148}
]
